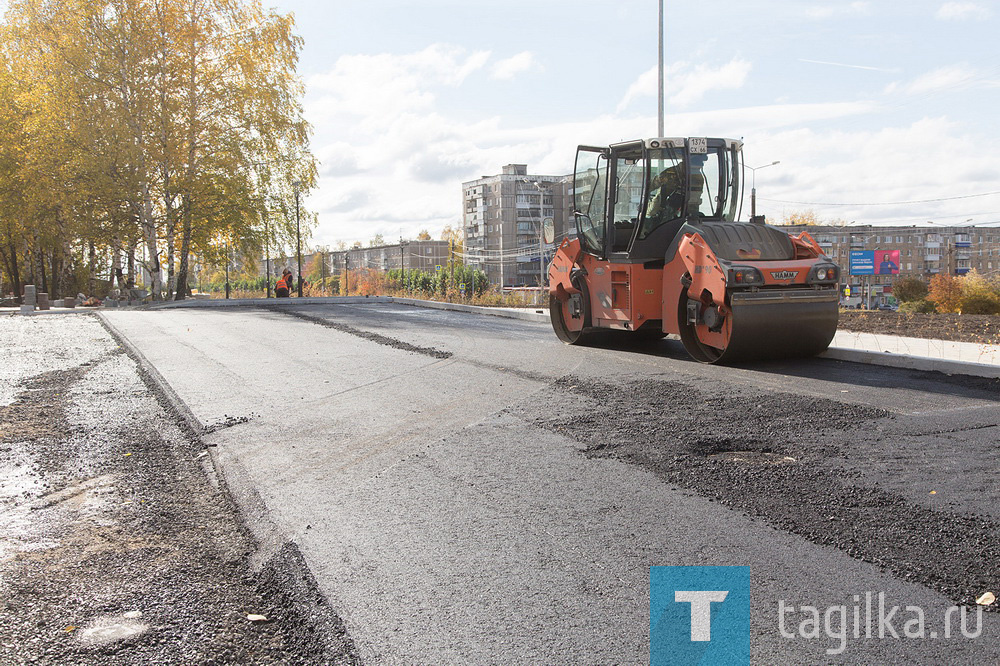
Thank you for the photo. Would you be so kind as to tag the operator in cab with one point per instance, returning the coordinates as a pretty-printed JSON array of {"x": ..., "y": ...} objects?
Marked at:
[{"x": 666, "y": 191}]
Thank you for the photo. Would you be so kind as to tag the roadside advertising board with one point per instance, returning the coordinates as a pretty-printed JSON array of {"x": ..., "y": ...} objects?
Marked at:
[{"x": 874, "y": 262}]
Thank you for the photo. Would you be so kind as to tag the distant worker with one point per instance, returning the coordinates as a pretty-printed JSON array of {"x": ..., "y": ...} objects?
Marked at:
[{"x": 283, "y": 287}]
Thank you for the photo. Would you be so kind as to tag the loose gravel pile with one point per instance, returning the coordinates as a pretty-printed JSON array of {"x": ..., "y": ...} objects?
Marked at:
[
  {"x": 116, "y": 547},
  {"x": 780, "y": 457}
]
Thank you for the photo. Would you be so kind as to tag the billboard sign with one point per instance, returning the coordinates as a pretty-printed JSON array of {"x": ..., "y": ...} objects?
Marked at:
[
  {"x": 862, "y": 262},
  {"x": 874, "y": 262},
  {"x": 886, "y": 262}
]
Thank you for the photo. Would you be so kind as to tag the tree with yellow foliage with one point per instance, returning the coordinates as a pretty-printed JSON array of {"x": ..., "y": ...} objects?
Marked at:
[
  {"x": 801, "y": 217},
  {"x": 169, "y": 123},
  {"x": 946, "y": 292}
]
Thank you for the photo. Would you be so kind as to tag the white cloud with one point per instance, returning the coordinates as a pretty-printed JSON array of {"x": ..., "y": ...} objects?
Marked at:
[
  {"x": 394, "y": 153},
  {"x": 960, "y": 11},
  {"x": 510, "y": 67},
  {"x": 363, "y": 84},
  {"x": 926, "y": 159},
  {"x": 685, "y": 83},
  {"x": 949, "y": 77}
]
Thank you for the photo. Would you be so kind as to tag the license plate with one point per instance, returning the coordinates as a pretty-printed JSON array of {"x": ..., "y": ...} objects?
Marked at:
[{"x": 697, "y": 145}]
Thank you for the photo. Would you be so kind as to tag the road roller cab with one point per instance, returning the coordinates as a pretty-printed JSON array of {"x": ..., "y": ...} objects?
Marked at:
[{"x": 659, "y": 251}]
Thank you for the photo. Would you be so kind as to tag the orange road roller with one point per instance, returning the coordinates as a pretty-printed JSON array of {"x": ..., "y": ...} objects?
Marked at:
[{"x": 659, "y": 250}]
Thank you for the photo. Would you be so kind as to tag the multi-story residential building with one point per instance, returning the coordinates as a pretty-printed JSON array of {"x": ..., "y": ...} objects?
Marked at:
[
  {"x": 422, "y": 255},
  {"x": 923, "y": 251},
  {"x": 410, "y": 255},
  {"x": 502, "y": 220}
]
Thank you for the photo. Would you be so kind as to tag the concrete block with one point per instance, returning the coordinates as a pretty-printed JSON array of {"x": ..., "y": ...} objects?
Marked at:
[
  {"x": 30, "y": 295},
  {"x": 69, "y": 302},
  {"x": 43, "y": 301},
  {"x": 27, "y": 309}
]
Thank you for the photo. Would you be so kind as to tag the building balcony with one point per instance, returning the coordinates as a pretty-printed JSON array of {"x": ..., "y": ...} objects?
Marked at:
[
  {"x": 932, "y": 257},
  {"x": 932, "y": 245}
]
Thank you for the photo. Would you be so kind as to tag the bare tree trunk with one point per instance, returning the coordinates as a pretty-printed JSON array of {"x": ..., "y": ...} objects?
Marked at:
[
  {"x": 152, "y": 263},
  {"x": 91, "y": 269},
  {"x": 56, "y": 273},
  {"x": 182, "y": 274},
  {"x": 130, "y": 260},
  {"x": 10, "y": 259},
  {"x": 170, "y": 251},
  {"x": 38, "y": 266}
]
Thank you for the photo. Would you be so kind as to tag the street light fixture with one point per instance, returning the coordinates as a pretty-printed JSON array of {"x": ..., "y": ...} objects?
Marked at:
[
  {"x": 753, "y": 186},
  {"x": 298, "y": 234}
]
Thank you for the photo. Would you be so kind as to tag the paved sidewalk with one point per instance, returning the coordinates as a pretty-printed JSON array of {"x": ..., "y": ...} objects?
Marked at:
[{"x": 958, "y": 358}]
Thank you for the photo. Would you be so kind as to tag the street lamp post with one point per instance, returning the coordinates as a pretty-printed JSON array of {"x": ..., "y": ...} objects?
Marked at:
[
  {"x": 660, "y": 77},
  {"x": 753, "y": 186},
  {"x": 227, "y": 265},
  {"x": 298, "y": 234}
]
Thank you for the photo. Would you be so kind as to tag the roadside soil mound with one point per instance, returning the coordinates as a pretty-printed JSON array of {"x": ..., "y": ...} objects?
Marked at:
[{"x": 980, "y": 329}]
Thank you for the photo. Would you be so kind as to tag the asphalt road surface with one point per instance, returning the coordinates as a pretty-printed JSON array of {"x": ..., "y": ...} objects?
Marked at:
[{"x": 468, "y": 489}]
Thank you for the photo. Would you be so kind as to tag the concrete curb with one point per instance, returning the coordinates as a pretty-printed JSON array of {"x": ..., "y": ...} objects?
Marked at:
[
  {"x": 867, "y": 357},
  {"x": 909, "y": 362}
]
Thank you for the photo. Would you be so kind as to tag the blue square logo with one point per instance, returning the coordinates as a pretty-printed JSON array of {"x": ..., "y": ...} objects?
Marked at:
[{"x": 699, "y": 615}]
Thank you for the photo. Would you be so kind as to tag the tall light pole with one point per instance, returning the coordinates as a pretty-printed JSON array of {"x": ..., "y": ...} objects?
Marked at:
[
  {"x": 660, "y": 78},
  {"x": 753, "y": 186},
  {"x": 298, "y": 233}
]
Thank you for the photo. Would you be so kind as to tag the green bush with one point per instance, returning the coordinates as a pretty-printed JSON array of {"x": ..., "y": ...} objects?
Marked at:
[
  {"x": 983, "y": 304},
  {"x": 909, "y": 289},
  {"x": 922, "y": 306}
]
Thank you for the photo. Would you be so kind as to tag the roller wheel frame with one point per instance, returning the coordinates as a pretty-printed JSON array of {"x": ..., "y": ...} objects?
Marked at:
[
  {"x": 697, "y": 349},
  {"x": 558, "y": 313}
]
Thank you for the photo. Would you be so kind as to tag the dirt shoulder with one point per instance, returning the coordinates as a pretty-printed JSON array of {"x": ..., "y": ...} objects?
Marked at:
[
  {"x": 979, "y": 329},
  {"x": 117, "y": 544}
]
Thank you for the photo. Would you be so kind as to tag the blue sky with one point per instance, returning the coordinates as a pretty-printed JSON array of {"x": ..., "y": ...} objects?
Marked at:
[{"x": 862, "y": 102}]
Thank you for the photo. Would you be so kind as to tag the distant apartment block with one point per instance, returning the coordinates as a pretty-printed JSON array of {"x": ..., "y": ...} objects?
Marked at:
[
  {"x": 502, "y": 218},
  {"x": 422, "y": 255},
  {"x": 410, "y": 255},
  {"x": 923, "y": 251}
]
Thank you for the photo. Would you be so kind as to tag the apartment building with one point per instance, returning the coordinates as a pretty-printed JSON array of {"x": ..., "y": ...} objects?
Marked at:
[
  {"x": 923, "y": 251},
  {"x": 419, "y": 255},
  {"x": 502, "y": 219}
]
